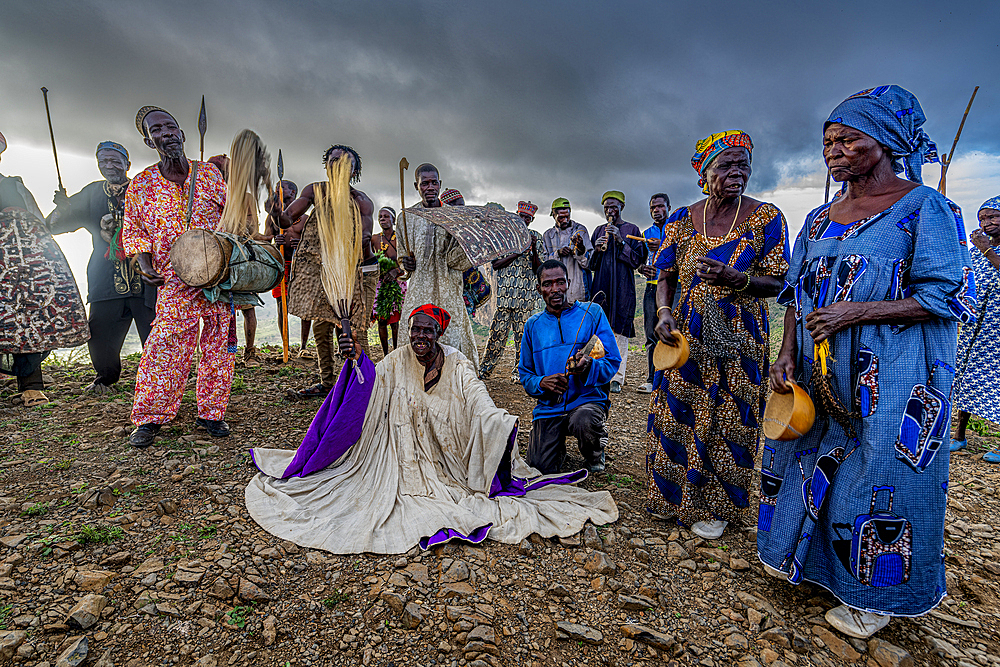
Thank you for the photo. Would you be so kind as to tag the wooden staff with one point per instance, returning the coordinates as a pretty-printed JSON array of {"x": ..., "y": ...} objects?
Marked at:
[
  {"x": 52, "y": 136},
  {"x": 202, "y": 128},
  {"x": 284, "y": 276},
  {"x": 403, "y": 166},
  {"x": 826, "y": 196},
  {"x": 948, "y": 157}
]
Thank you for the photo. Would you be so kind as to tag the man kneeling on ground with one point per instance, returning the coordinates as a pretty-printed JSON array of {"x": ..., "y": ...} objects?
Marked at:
[{"x": 571, "y": 386}]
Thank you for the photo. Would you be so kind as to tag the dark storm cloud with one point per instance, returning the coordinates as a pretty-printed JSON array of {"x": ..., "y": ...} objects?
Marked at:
[{"x": 512, "y": 100}]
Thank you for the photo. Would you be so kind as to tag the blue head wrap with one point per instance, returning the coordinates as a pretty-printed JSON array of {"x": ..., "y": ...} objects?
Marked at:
[
  {"x": 993, "y": 203},
  {"x": 113, "y": 146},
  {"x": 891, "y": 116}
]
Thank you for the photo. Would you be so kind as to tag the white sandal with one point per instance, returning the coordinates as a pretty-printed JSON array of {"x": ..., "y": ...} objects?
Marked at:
[{"x": 854, "y": 623}]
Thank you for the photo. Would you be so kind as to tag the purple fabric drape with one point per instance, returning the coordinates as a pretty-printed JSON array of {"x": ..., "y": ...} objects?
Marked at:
[{"x": 337, "y": 425}]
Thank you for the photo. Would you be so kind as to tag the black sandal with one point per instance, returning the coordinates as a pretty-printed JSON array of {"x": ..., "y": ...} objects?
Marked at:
[{"x": 315, "y": 391}]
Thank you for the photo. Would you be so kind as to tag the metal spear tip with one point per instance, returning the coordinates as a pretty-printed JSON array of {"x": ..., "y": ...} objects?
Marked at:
[
  {"x": 45, "y": 90},
  {"x": 281, "y": 166}
]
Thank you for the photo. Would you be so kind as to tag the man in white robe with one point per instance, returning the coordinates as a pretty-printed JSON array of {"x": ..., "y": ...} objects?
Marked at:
[{"x": 433, "y": 459}]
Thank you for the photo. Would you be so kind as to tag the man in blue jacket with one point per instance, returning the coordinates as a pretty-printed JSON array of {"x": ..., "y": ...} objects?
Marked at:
[{"x": 570, "y": 385}]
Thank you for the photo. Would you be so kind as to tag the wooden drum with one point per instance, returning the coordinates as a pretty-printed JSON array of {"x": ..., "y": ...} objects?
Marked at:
[{"x": 200, "y": 258}]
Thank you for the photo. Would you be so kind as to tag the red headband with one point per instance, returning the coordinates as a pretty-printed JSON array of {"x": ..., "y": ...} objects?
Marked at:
[{"x": 439, "y": 315}]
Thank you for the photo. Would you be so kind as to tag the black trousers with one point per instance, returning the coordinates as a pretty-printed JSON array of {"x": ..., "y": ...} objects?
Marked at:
[
  {"x": 649, "y": 320},
  {"x": 109, "y": 324},
  {"x": 547, "y": 443},
  {"x": 27, "y": 368}
]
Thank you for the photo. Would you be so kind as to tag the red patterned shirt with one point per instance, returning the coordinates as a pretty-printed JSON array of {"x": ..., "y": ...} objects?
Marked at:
[{"x": 156, "y": 214}]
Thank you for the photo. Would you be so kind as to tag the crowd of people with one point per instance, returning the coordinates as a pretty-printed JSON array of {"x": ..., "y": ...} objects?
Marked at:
[{"x": 887, "y": 320}]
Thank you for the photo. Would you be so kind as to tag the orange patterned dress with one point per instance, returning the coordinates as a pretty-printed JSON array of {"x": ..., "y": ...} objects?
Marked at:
[{"x": 705, "y": 417}]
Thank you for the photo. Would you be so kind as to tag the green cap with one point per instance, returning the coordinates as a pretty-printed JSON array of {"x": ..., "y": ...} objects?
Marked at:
[
  {"x": 614, "y": 194},
  {"x": 559, "y": 202}
]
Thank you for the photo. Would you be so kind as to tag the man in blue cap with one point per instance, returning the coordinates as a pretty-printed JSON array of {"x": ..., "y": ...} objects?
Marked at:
[{"x": 116, "y": 294}]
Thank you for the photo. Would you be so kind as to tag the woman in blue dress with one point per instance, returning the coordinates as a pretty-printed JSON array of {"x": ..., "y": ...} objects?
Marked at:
[
  {"x": 977, "y": 384},
  {"x": 882, "y": 277}
]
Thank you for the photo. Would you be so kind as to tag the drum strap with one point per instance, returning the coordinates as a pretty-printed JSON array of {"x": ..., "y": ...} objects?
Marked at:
[{"x": 194, "y": 175}]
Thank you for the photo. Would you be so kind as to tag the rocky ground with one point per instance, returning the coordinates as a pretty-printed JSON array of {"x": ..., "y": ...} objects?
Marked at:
[{"x": 115, "y": 556}]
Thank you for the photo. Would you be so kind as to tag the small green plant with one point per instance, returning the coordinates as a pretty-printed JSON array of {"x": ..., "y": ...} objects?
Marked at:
[
  {"x": 983, "y": 427},
  {"x": 83, "y": 487},
  {"x": 99, "y": 534},
  {"x": 239, "y": 384},
  {"x": 5, "y": 612},
  {"x": 140, "y": 471},
  {"x": 207, "y": 532},
  {"x": 65, "y": 464},
  {"x": 335, "y": 599},
  {"x": 38, "y": 509},
  {"x": 238, "y": 616}
]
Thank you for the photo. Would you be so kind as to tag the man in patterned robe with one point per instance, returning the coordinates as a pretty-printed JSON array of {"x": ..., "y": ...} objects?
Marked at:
[
  {"x": 40, "y": 305},
  {"x": 516, "y": 297},
  {"x": 115, "y": 290},
  {"x": 436, "y": 263},
  {"x": 156, "y": 214}
]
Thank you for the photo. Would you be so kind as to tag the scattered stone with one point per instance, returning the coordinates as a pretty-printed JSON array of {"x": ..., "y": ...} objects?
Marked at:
[
  {"x": 736, "y": 640},
  {"x": 591, "y": 538},
  {"x": 889, "y": 655},
  {"x": 9, "y": 642},
  {"x": 166, "y": 507},
  {"x": 87, "y": 611},
  {"x": 413, "y": 615},
  {"x": 578, "y": 632},
  {"x": 207, "y": 661},
  {"x": 460, "y": 589},
  {"x": 270, "y": 630},
  {"x": 598, "y": 562},
  {"x": 835, "y": 644},
  {"x": 943, "y": 648},
  {"x": 250, "y": 592},
  {"x": 93, "y": 499},
  {"x": 572, "y": 541},
  {"x": 635, "y": 603},
  {"x": 395, "y": 601},
  {"x": 12, "y": 541},
  {"x": 151, "y": 564},
  {"x": 483, "y": 633},
  {"x": 676, "y": 552},
  {"x": 459, "y": 571},
  {"x": 777, "y": 636},
  {"x": 92, "y": 580},
  {"x": 189, "y": 575},
  {"x": 75, "y": 654},
  {"x": 222, "y": 590},
  {"x": 558, "y": 591},
  {"x": 117, "y": 560},
  {"x": 168, "y": 610},
  {"x": 738, "y": 564},
  {"x": 525, "y": 547},
  {"x": 645, "y": 635}
]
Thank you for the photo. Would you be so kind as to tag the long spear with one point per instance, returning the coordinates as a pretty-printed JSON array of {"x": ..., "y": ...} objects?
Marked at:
[
  {"x": 403, "y": 165},
  {"x": 284, "y": 276},
  {"x": 52, "y": 136},
  {"x": 202, "y": 128},
  {"x": 948, "y": 157}
]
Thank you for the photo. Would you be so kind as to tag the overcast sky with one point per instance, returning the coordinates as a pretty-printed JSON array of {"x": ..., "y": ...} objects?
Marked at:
[{"x": 512, "y": 100}]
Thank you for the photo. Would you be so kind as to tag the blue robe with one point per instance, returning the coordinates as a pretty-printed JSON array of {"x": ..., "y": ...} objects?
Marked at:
[{"x": 864, "y": 517}]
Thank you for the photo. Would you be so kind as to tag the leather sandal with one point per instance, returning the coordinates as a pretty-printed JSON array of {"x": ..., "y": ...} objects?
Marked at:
[
  {"x": 315, "y": 391},
  {"x": 33, "y": 397}
]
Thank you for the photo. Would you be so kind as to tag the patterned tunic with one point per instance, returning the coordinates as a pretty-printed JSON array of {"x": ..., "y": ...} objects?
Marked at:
[
  {"x": 40, "y": 304},
  {"x": 977, "y": 383},
  {"x": 517, "y": 299},
  {"x": 437, "y": 280},
  {"x": 862, "y": 513},
  {"x": 705, "y": 417},
  {"x": 155, "y": 217}
]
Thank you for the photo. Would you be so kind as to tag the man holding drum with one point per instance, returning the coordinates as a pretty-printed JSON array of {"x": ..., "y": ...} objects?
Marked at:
[{"x": 160, "y": 206}]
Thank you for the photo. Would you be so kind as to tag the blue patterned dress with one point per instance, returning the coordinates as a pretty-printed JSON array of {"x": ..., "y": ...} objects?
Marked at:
[
  {"x": 977, "y": 386},
  {"x": 864, "y": 517}
]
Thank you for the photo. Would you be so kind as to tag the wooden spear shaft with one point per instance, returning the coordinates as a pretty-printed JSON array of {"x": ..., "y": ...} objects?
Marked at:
[
  {"x": 52, "y": 136},
  {"x": 403, "y": 166},
  {"x": 946, "y": 159}
]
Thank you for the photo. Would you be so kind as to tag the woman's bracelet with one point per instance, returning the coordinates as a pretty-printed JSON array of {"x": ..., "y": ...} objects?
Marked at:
[
  {"x": 661, "y": 308},
  {"x": 745, "y": 285}
]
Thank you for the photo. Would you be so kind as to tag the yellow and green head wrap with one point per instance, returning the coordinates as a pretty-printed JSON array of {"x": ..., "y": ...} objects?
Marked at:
[{"x": 706, "y": 150}]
